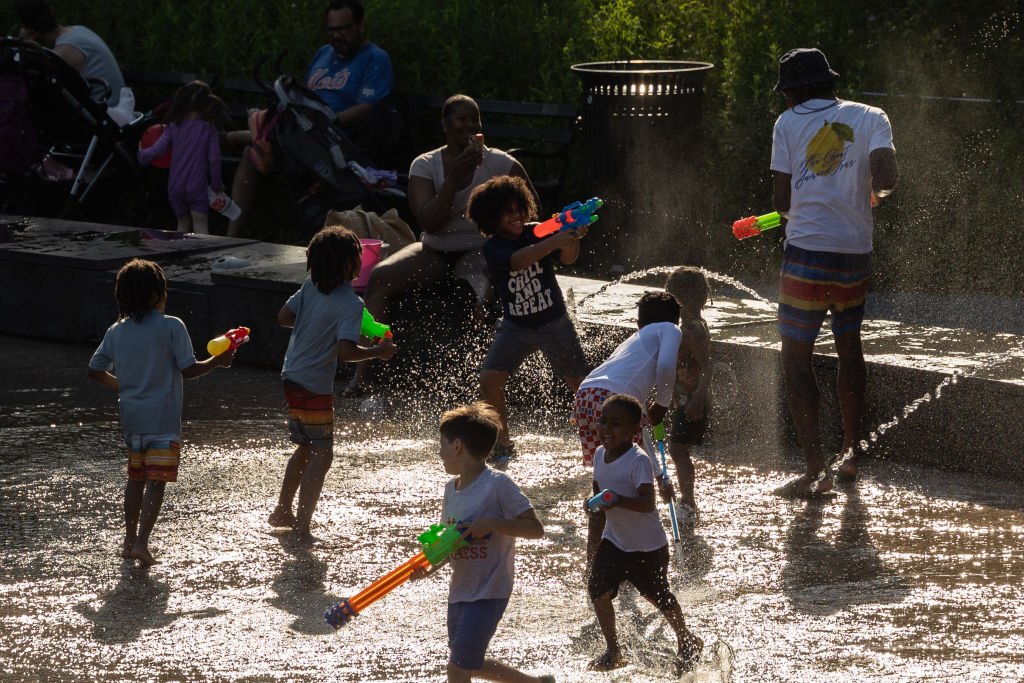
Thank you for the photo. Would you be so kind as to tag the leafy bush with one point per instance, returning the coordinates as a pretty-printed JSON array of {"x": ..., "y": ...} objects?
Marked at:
[{"x": 961, "y": 161}]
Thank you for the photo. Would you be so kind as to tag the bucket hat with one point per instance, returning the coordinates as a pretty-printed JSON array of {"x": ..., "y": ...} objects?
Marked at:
[{"x": 804, "y": 66}]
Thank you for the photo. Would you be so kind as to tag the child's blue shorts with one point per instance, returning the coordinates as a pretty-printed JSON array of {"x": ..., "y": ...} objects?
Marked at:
[{"x": 470, "y": 628}]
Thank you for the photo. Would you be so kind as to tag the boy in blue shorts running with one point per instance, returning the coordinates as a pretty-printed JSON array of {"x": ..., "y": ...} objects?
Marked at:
[
  {"x": 493, "y": 512},
  {"x": 149, "y": 353}
]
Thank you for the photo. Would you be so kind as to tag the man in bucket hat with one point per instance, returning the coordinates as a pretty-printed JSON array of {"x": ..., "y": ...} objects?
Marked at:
[{"x": 832, "y": 160}]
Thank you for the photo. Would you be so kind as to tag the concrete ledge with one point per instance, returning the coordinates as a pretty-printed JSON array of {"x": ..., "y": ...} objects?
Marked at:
[{"x": 58, "y": 280}]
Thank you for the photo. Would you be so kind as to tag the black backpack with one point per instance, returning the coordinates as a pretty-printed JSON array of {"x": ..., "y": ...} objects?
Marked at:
[{"x": 19, "y": 148}]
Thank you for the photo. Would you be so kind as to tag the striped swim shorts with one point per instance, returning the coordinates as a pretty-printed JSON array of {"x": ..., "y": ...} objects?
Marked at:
[
  {"x": 310, "y": 417},
  {"x": 586, "y": 415},
  {"x": 815, "y": 283},
  {"x": 153, "y": 457}
]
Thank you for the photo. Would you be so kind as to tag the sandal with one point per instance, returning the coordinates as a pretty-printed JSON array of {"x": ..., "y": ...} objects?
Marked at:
[
  {"x": 607, "y": 662},
  {"x": 805, "y": 487}
]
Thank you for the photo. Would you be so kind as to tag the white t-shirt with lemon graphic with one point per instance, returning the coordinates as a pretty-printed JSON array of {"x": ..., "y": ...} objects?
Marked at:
[{"x": 824, "y": 145}]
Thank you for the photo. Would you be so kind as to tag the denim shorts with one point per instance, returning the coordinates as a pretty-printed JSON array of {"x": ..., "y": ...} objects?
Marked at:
[
  {"x": 470, "y": 628},
  {"x": 557, "y": 340}
]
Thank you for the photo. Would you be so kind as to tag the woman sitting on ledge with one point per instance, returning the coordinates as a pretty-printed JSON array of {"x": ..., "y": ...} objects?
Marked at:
[{"x": 440, "y": 182}]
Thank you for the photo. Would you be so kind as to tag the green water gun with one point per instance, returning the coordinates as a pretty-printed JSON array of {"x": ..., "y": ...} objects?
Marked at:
[
  {"x": 371, "y": 329},
  {"x": 755, "y": 225}
]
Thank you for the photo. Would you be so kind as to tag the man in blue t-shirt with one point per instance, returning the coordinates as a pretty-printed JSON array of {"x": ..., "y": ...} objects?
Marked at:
[{"x": 349, "y": 73}]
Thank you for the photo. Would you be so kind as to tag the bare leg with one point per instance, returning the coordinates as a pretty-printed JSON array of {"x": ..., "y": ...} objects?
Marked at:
[
  {"x": 605, "y": 612},
  {"x": 492, "y": 390},
  {"x": 573, "y": 382},
  {"x": 309, "y": 490},
  {"x": 685, "y": 471},
  {"x": 689, "y": 645},
  {"x": 409, "y": 267},
  {"x": 152, "y": 500},
  {"x": 132, "y": 507},
  {"x": 492, "y": 670},
  {"x": 245, "y": 190},
  {"x": 851, "y": 381},
  {"x": 199, "y": 224},
  {"x": 803, "y": 396},
  {"x": 282, "y": 514},
  {"x": 184, "y": 223}
]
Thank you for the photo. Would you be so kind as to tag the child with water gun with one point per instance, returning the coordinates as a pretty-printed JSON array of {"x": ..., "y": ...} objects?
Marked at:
[
  {"x": 150, "y": 353},
  {"x": 633, "y": 545},
  {"x": 522, "y": 269},
  {"x": 643, "y": 366},
  {"x": 492, "y": 512},
  {"x": 326, "y": 318}
]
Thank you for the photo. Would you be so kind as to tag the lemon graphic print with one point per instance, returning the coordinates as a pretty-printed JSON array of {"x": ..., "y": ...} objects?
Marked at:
[{"x": 825, "y": 150}]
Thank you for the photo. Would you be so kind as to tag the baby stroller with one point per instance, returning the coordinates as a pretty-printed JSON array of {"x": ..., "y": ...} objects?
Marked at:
[
  {"x": 298, "y": 139},
  {"x": 79, "y": 147}
]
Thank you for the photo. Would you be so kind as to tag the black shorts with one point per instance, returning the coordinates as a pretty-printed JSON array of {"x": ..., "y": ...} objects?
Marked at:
[
  {"x": 685, "y": 432},
  {"x": 647, "y": 571}
]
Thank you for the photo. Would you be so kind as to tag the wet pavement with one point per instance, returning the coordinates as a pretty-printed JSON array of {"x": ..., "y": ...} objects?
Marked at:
[{"x": 912, "y": 574}]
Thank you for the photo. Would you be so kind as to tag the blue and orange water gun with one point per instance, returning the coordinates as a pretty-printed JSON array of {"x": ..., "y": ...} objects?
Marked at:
[
  {"x": 575, "y": 215},
  {"x": 755, "y": 225},
  {"x": 438, "y": 542}
]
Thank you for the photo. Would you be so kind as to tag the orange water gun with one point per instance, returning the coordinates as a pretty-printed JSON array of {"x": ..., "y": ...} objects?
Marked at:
[
  {"x": 755, "y": 225},
  {"x": 438, "y": 542},
  {"x": 573, "y": 216}
]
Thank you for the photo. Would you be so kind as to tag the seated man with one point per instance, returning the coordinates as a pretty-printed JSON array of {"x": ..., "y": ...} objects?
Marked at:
[
  {"x": 77, "y": 45},
  {"x": 349, "y": 73}
]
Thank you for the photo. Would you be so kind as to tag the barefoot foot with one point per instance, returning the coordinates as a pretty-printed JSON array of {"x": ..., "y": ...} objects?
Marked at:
[
  {"x": 608, "y": 661},
  {"x": 281, "y": 517},
  {"x": 142, "y": 554}
]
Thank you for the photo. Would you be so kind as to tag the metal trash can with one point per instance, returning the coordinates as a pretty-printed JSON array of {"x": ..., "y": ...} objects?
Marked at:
[{"x": 641, "y": 131}]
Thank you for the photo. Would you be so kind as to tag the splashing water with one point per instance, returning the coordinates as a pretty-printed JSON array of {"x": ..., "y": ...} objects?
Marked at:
[
  {"x": 657, "y": 270},
  {"x": 910, "y": 408},
  {"x": 864, "y": 445}
]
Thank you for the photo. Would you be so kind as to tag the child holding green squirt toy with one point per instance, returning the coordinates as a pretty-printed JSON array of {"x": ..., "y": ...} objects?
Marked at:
[{"x": 491, "y": 511}]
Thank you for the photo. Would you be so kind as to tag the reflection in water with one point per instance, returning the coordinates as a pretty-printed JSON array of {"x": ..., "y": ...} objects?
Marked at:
[
  {"x": 825, "y": 575},
  {"x": 912, "y": 574}
]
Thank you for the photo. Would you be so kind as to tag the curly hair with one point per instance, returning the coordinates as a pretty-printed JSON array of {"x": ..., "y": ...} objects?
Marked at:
[
  {"x": 657, "y": 307},
  {"x": 139, "y": 286},
  {"x": 333, "y": 256},
  {"x": 630, "y": 404},
  {"x": 494, "y": 198},
  {"x": 689, "y": 286}
]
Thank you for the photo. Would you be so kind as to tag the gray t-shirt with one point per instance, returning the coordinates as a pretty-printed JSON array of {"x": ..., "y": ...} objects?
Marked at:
[
  {"x": 321, "y": 321},
  {"x": 99, "y": 61},
  {"x": 147, "y": 358},
  {"x": 484, "y": 570}
]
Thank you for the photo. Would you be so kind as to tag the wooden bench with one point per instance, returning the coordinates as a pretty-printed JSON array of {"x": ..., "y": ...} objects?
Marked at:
[{"x": 538, "y": 134}]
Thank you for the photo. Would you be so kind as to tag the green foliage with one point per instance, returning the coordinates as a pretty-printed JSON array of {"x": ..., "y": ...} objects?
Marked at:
[{"x": 961, "y": 162}]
